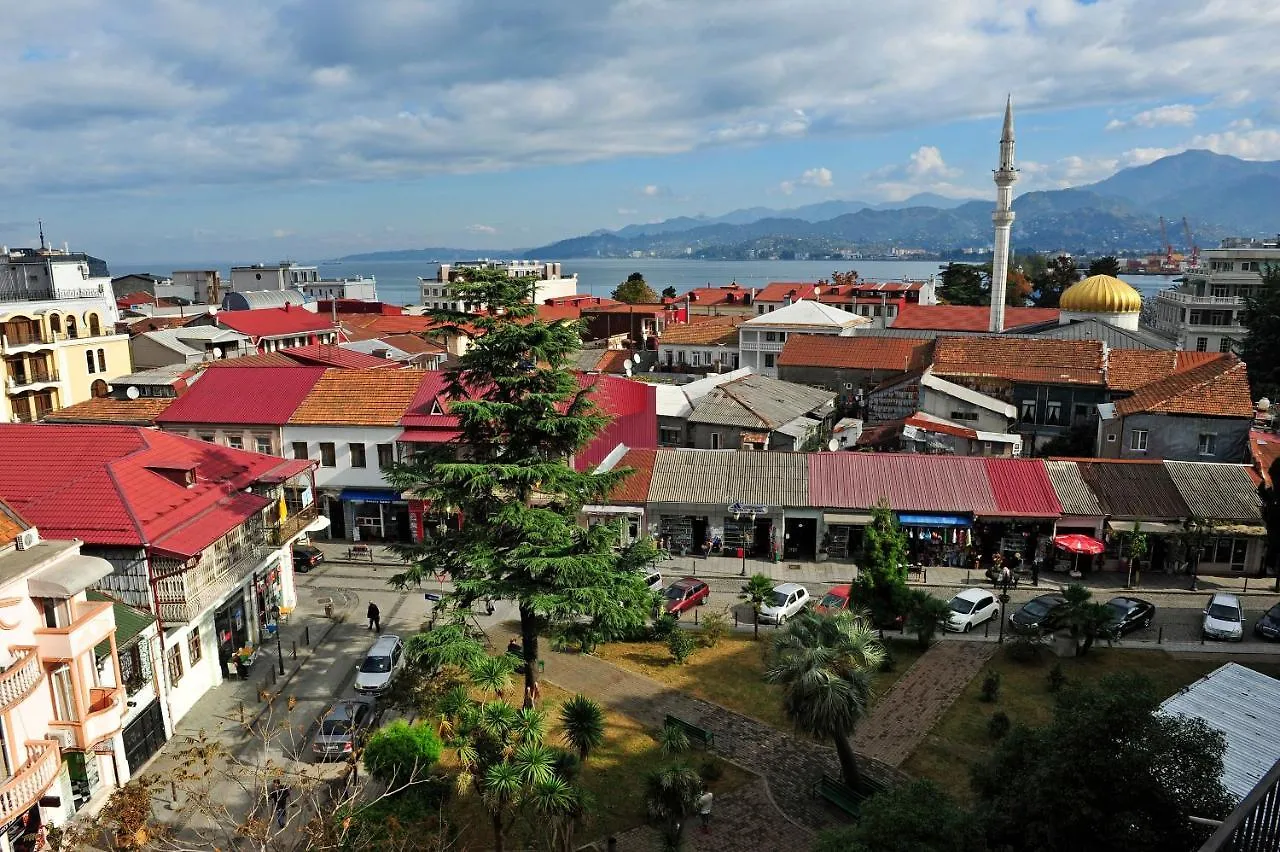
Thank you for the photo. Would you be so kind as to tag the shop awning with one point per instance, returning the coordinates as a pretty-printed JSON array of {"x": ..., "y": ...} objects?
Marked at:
[
  {"x": 320, "y": 523},
  {"x": 852, "y": 520},
  {"x": 1152, "y": 527},
  {"x": 68, "y": 577},
  {"x": 911, "y": 520},
  {"x": 369, "y": 495},
  {"x": 612, "y": 510}
]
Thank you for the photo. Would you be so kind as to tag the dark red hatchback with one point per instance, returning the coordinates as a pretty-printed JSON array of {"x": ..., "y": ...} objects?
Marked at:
[{"x": 684, "y": 595}]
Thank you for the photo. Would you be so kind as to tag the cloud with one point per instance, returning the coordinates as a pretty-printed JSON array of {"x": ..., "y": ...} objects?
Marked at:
[
  {"x": 281, "y": 233},
  {"x": 335, "y": 75},
  {"x": 627, "y": 211},
  {"x": 482, "y": 229},
  {"x": 927, "y": 163},
  {"x": 654, "y": 191},
  {"x": 1172, "y": 115},
  {"x": 1247, "y": 143},
  {"x": 818, "y": 177},
  {"x": 924, "y": 171}
]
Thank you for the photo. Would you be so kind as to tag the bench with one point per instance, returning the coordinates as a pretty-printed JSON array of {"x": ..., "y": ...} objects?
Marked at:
[
  {"x": 839, "y": 794},
  {"x": 692, "y": 731},
  {"x": 360, "y": 551}
]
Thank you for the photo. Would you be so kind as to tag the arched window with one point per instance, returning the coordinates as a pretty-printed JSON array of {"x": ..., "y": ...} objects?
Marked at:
[
  {"x": 71, "y": 327},
  {"x": 102, "y": 361},
  {"x": 95, "y": 327},
  {"x": 88, "y": 360},
  {"x": 55, "y": 323},
  {"x": 98, "y": 388}
]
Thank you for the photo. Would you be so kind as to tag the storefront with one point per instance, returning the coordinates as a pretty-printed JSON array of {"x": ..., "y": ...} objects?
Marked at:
[
  {"x": 1019, "y": 541},
  {"x": 267, "y": 593},
  {"x": 1166, "y": 546},
  {"x": 936, "y": 539},
  {"x": 231, "y": 623},
  {"x": 843, "y": 536},
  {"x": 684, "y": 535},
  {"x": 376, "y": 514},
  {"x": 630, "y": 520}
]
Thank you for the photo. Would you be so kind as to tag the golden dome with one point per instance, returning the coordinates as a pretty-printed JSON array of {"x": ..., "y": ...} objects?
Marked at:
[{"x": 1101, "y": 294}]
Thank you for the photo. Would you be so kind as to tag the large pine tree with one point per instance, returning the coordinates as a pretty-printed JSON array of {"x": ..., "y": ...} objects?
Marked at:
[
  {"x": 522, "y": 415},
  {"x": 1259, "y": 348}
]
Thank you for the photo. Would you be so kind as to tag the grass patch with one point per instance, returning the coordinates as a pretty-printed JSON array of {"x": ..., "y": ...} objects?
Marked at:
[
  {"x": 961, "y": 737},
  {"x": 613, "y": 776},
  {"x": 732, "y": 673}
]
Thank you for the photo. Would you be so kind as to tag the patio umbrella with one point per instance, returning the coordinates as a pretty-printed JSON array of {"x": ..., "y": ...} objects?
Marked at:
[{"x": 1076, "y": 543}]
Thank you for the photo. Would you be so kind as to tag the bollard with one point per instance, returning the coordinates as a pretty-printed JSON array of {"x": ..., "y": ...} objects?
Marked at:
[
  {"x": 173, "y": 795},
  {"x": 1160, "y": 636},
  {"x": 1246, "y": 585},
  {"x": 695, "y": 615},
  {"x": 735, "y": 618},
  {"x": 1201, "y": 637},
  {"x": 986, "y": 629},
  {"x": 306, "y": 635},
  {"x": 295, "y": 649},
  {"x": 966, "y": 576},
  {"x": 924, "y": 572},
  {"x": 242, "y": 712}
]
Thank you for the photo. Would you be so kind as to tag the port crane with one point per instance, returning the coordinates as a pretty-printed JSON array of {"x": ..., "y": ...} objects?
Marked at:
[{"x": 1194, "y": 260}]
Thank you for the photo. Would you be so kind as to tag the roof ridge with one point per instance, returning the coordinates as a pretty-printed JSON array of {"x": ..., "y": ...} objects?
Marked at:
[{"x": 115, "y": 483}]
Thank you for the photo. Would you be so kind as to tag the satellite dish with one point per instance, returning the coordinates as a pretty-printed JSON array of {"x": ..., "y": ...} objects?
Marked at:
[
  {"x": 217, "y": 352},
  {"x": 1264, "y": 404},
  {"x": 636, "y": 358},
  {"x": 132, "y": 393},
  {"x": 626, "y": 368},
  {"x": 833, "y": 445}
]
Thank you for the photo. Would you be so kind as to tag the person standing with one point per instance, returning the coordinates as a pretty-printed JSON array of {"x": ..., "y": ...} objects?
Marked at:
[
  {"x": 279, "y": 797},
  {"x": 704, "y": 811},
  {"x": 374, "y": 616}
]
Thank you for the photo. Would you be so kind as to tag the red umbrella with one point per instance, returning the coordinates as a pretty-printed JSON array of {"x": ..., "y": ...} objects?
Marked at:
[{"x": 1076, "y": 543}]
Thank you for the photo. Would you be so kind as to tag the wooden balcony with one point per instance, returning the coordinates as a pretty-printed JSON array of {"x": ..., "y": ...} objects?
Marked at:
[
  {"x": 183, "y": 595},
  {"x": 21, "y": 678},
  {"x": 94, "y": 621},
  {"x": 31, "y": 781},
  {"x": 102, "y": 719},
  {"x": 292, "y": 525}
]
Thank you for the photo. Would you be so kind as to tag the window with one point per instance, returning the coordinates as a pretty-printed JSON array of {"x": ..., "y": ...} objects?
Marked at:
[
  {"x": 54, "y": 611},
  {"x": 1028, "y": 409},
  {"x": 715, "y": 440},
  {"x": 102, "y": 360},
  {"x": 207, "y": 438},
  {"x": 328, "y": 456},
  {"x": 1224, "y": 345},
  {"x": 386, "y": 455},
  {"x": 1111, "y": 438},
  {"x": 1202, "y": 344},
  {"x": 357, "y": 455},
  {"x": 299, "y": 449},
  {"x": 1138, "y": 440},
  {"x": 669, "y": 437},
  {"x": 64, "y": 702},
  {"x": 1208, "y": 443},
  {"x": 235, "y": 443},
  {"x": 263, "y": 445},
  {"x": 770, "y": 337},
  {"x": 960, "y": 416},
  {"x": 1052, "y": 412},
  {"x": 88, "y": 358},
  {"x": 769, "y": 360},
  {"x": 173, "y": 664},
  {"x": 194, "y": 651}
]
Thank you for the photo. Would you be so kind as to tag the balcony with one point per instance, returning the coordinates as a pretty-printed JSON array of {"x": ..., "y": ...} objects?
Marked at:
[
  {"x": 102, "y": 719},
  {"x": 31, "y": 781},
  {"x": 1254, "y": 826},
  {"x": 294, "y": 524},
  {"x": 93, "y": 622},
  {"x": 15, "y": 340},
  {"x": 183, "y": 595},
  {"x": 1193, "y": 299},
  {"x": 34, "y": 379},
  {"x": 21, "y": 678}
]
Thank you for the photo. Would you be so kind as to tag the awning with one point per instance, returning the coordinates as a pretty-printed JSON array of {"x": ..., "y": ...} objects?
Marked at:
[
  {"x": 612, "y": 510},
  {"x": 320, "y": 523},
  {"x": 1239, "y": 529},
  {"x": 852, "y": 520},
  {"x": 910, "y": 520},
  {"x": 68, "y": 577},
  {"x": 369, "y": 495},
  {"x": 428, "y": 436},
  {"x": 1146, "y": 527}
]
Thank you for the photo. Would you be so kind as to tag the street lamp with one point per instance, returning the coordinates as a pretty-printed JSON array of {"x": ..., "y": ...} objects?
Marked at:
[
  {"x": 738, "y": 509},
  {"x": 1005, "y": 579}
]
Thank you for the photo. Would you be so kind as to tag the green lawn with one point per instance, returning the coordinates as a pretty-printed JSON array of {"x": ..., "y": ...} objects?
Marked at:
[{"x": 960, "y": 737}]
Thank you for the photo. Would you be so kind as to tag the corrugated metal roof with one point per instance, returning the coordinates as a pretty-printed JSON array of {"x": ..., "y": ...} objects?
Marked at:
[
  {"x": 913, "y": 483},
  {"x": 635, "y": 488},
  {"x": 1022, "y": 488},
  {"x": 1224, "y": 492},
  {"x": 759, "y": 402},
  {"x": 721, "y": 477},
  {"x": 1069, "y": 486},
  {"x": 1134, "y": 489},
  {"x": 259, "y": 396},
  {"x": 1245, "y": 706}
]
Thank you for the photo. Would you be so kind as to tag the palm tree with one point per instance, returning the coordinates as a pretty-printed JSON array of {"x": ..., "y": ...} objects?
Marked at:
[
  {"x": 671, "y": 797},
  {"x": 1087, "y": 619},
  {"x": 824, "y": 664},
  {"x": 492, "y": 674},
  {"x": 583, "y": 722},
  {"x": 757, "y": 590},
  {"x": 560, "y": 805},
  {"x": 928, "y": 616}
]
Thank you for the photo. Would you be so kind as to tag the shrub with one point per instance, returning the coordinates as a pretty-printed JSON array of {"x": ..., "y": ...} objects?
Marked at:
[
  {"x": 401, "y": 752},
  {"x": 710, "y": 771},
  {"x": 1024, "y": 649},
  {"x": 673, "y": 740},
  {"x": 998, "y": 725},
  {"x": 1057, "y": 678},
  {"x": 991, "y": 686},
  {"x": 714, "y": 628},
  {"x": 663, "y": 626},
  {"x": 890, "y": 662},
  {"x": 681, "y": 645}
]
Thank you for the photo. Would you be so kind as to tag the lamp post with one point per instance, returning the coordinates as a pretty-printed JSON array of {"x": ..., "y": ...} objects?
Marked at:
[
  {"x": 742, "y": 549},
  {"x": 279, "y": 650},
  {"x": 1004, "y": 600},
  {"x": 738, "y": 510}
]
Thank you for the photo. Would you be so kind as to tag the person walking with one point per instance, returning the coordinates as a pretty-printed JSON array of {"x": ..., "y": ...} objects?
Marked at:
[
  {"x": 704, "y": 811},
  {"x": 279, "y": 797},
  {"x": 375, "y": 617}
]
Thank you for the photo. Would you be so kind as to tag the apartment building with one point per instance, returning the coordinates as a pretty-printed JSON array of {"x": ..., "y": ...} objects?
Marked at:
[{"x": 546, "y": 282}]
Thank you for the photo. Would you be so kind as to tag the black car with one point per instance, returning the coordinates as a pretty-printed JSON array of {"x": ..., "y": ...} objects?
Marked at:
[
  {"x": 1268, "y": 624},
  {"x": 306, "y": 557},
  {"x": 1130, "y": 614},
  {"x": 1041, "y": 614}
]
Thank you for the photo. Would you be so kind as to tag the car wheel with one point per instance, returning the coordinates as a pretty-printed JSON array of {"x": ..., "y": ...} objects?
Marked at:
[
  {"x": 967, "y": 626},
  {"x": 782, "y": 619}
]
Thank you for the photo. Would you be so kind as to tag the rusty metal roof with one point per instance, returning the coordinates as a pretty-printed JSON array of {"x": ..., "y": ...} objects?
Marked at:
[
  {"x": 1217, "y": 492},
  {"x": 1069, "y": 486},
  {"x": 1134, "y": 489},
  {"x": 1022, "y": 488},
  {"x": 914, "y": 483},
  {"x": 723, "y": 476}
]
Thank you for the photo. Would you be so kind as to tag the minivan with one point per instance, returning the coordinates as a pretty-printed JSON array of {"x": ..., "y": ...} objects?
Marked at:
[{"x": 374, "y": 675}]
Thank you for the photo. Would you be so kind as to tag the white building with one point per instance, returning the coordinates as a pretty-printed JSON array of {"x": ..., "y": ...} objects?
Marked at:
[
  {"x": 760, "y": 339},
  {"x": 1205, "y": 313},
  {"x": 204, "y": 285},
  {"x": 546, "y": 281},
  {"x": 358, "y": 289},
  {"x": 285, "y": 275}
]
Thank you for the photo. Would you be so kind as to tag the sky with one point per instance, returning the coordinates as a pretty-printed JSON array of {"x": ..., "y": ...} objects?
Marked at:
[{"x": 264, "y": 129}]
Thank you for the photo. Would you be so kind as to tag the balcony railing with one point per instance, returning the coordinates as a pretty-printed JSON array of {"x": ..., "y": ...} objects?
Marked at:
[
  {"x": 94, "y": 621},
  {"x": 32, "y": 780},
  {"x": 292, "y": 525},
  {"x": 13, "y": 339},
  {"x": 183, "y": 596},
  {"x": 1254, "y": 826},
  {"x": 22, "y": 380},
  {"x": 1193, "y": 299},
  {"x": 21, "y": 678},
  {"x": 102, "y": 719}
]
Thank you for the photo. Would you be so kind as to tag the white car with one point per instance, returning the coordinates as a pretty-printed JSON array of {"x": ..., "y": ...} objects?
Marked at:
[
  {"x": 971, "y": 608},
  {"x": 380, "y": 666},
  {"x": 1223, "y": 618},
  {"x": 786, "y": 600},
  {"x": 653, "y": 580}
]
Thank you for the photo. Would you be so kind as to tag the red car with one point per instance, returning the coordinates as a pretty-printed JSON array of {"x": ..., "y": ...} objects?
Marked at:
[
  {"x": 684, "y": 595},
  {"x": 835, "y": 601}
]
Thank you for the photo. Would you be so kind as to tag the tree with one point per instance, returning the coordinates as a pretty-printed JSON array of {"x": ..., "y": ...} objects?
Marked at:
[
  {"x": 1110, "y": 773},
  {"x": 668, "y": 292},
  {"x": 1077, "y": 442},
  {"x": 522, "y": 416},
  {"x": 400, "y": 752},
  {"x": 824, "y": 664},
  {"x": 1085, "y": 618},
  {"x": 928, "y": 616},
  {"x": 1271, "y": 518},
  {"x": 881, "y": 585},
  {"x": 915, "y": 817},
  {"x": 1262, "y": 329},
  {"x": 559, "y": 806},
  {"x": 963, "y": 284},
  {"x": 1058, "y": 275},
  {"x": 1104, "y": 266},
  {"x": 583, "y": 722},
  {"x": 635, "y": 290},
  {"x": 757, "y": 590},
  {"x": 671, "y": 798}
]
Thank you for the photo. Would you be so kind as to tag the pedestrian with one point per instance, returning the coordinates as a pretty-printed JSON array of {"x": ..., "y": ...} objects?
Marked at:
[
  {"x": 279, "y": 797},
  {"x": 704, "y": 811},
  {"x": 488, "y": 606},
  {"x": 374, "y": 616},
  {"x": 706, "y": 548},
  {"x": 1035, "y": 572}
]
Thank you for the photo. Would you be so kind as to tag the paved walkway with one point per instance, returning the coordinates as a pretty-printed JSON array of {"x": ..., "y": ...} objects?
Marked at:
[
  {"x": 904, "y": 715},
  {"x": 745, "y": 818}
]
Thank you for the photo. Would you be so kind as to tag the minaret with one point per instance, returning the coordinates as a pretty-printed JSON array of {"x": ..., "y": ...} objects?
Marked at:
[{"x": 1006, "y": 177}]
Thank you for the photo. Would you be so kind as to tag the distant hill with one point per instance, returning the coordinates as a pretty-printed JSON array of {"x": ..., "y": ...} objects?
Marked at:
[{"x": 439, "y": 255}]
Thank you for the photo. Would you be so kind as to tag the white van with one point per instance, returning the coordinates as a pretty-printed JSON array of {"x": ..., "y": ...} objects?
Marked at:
[{"x": 374, "y": 675}]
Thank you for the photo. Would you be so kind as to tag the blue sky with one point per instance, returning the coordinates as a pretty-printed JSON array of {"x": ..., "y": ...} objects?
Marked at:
[{"x": 188, "y": 130}]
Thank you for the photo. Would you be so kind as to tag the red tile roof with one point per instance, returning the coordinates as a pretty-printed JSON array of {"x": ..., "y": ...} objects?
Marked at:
[
  {"x": 1217, "y": 388},
  {"x": 258, "y": 396},
  {"x": 412, "y": 344},
  {"x": 911, "y": 483},
  {"x": 706, "y": 331},
  {"x": 332, "y": 355},
  {"x": 635, "y": 488},
  {"x": 854, "y": 353},
  {"x": 273, "y": 322},
  {"x": 1130, "y": 369},
  {"x": 867, "y": 292},
  {"x": 967, "y": 317},
  {"x": 1265, "y": 449},
  {"x": 551, "y": 313},
  {"x": 10, "y": 524},
  {"x": 259, "y": 359},
  {"x": 727, "y": 294},
  {"x": 119, "y": 412},
  {"x": 1022, "y": 488},
  {"x": 1018, "y": 359},
  {"x": 105, "y": 485}
]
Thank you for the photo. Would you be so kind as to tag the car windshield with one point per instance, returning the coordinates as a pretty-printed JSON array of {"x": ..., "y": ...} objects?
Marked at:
[
  {"x": 675, "y": 593},
  {"x": 778, "y": 599},
  {"x": 1035, "y": 609},
  {"x": 830, "y": 601},
  {"x": 962, "y": 606},
  {"x": 1118, "y": 610},
  {"x": 1224, "y": 612},
  {"x": 335, "y": 726},
  {"x": 376, "y": 665}
]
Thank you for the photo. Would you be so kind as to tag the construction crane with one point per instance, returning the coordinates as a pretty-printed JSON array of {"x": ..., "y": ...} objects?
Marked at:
[
  {"x": 1164, "y": 242},
  {"x": 1194, "y": 260}
]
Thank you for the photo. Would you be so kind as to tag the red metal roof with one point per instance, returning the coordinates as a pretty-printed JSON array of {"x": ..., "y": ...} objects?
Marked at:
[
  {"x": 332, "y": 355},
  {"x": 911, "y": 483},
  {"x": 258, "y": 396},
  {"x": 193, "y": 536},
  {"x": 429, "y": 436},
  {"x": 967, "y": 317},
  {"x": 273, "y": 322},
  {"x": 633, "y": 407},
  {"x": 1022, "y": 488}
]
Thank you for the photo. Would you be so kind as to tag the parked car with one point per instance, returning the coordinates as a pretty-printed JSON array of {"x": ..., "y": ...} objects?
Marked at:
[
  {"x": 835, "y": 601},
  {"x": 1268, "y": 624},
  {"x": 1042, "y": 614},
  {"x": 971, "y": 608},
  {"x": 786, "y": 600},
  {"x": 380, "y": 666},
  {"x": 1223, "y": 618},
  {"x": 1130, "y": 614},
  {"x": 306, "y": 557},
  {"x": 343, "y": 726},
  {"x": 684, "y": 595},
  {"x": 653, "y": 580}
]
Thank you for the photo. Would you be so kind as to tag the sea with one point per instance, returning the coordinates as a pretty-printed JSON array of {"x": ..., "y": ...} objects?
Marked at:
[{"x": 398, "y": 279}]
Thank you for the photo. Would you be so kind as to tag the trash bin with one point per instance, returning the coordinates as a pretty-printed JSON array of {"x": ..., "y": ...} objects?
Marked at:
[
  {"x": 741, "y": 554},
  {"x": 328, "y": 610}
]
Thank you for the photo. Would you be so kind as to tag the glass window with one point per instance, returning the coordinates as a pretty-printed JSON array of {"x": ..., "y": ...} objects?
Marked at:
[
  {"x": 88, "y": 358},
  {"x": 715, "y": 440},
  {"x": 173, "y": 664},
  {"x": 1202, "y": 344},
  {"x": 194, "y": 651},
  {"x": 207, "y": 438},
  {"x": 235, "y": 442},
  {"x": 1052, "y": 412},
  {"x": 386, "y": 455},
  {"x": 1029, "y": 409},
  {"x": 1138, "y": 440},
  {"x": 328, "y": 455},
  {"x": 299, "y": 449},
  {"x": 263, "y": 445},
  {"x": 102, "y": 360},
  {"x": 1224, "y": 345},
  {"x": 357, "y": 455},
  {"x": 1208, "y": 443},
  {"x": 64, "y": 703},
  {"x": 769, "y": 359}
]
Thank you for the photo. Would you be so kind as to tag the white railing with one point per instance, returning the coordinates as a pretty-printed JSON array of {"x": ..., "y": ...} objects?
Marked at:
[
  {"x": 1192, "y": 299},
  {"x": 31, "y": 781},
  {"x": 18, "y": 681}
]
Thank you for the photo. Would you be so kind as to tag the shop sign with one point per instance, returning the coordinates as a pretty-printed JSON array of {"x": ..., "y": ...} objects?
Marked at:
[{"x": 748, "y": 509}]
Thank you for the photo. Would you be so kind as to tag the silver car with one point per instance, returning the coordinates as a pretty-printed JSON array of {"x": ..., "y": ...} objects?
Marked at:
[{"x": 345, "y": 724}]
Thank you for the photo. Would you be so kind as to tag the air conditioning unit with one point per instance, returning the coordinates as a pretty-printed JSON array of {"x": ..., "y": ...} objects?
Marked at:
[
  {"x": 27, "y": 539},
  {"x": 64, "y": 738}
]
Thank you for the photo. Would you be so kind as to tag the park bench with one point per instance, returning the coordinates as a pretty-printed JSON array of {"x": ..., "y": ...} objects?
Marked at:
[
  {"x": 839, "y": 794},
  {"x": 360, "y": 551},
  {"x": 692, "y": 731}
]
